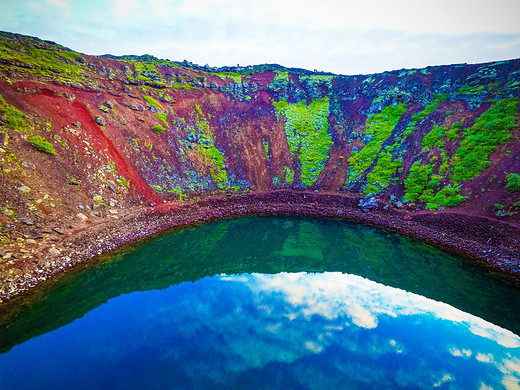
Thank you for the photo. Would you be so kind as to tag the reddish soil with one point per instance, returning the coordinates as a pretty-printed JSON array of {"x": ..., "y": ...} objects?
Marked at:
[{"x": 94, "y": 194}]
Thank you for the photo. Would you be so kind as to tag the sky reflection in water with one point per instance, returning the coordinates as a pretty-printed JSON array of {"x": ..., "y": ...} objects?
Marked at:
[{"x": 292, "y": 330}]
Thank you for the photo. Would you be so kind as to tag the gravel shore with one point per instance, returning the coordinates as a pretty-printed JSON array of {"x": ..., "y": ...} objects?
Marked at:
[{"x": 489, "y": 242}]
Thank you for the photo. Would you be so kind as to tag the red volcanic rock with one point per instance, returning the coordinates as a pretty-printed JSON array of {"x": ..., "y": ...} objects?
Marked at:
[{"x": 262, "y": 139}]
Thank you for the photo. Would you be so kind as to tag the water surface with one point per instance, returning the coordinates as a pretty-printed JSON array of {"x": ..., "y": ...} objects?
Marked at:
[{"x": 264, "y": 302}]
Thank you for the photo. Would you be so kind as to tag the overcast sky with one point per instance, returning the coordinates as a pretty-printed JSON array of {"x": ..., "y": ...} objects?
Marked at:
[{"x": 341, "y": 36}]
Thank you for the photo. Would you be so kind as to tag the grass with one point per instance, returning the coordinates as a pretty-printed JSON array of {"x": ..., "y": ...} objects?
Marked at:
[
  {"x": 39, "y": 143},
  {"x": 163, "y": 117},
  {"x": 380, "y": 126},
  {"x": 417, "y": 180},
  {"x": 14, "y": 119},
  {"x": 159, "y": 129},
  {"x": 306, "y": 128},
  {"x": 145, "y": 72},
  {"x": 266, "y": 149},
  {"x": 289, "y": 175},
  {"x": 154, "y": 103},
  {"x": 448, "y": 196},
  {"x": 386, "y": 164},
  {"x": 433, "y": 138},
  {"x": 453, "y": 133},
  {"x": 382, "y": 173},
  {"x": 513, "y": 182},
  {"x": 491, "y": 129},
  {"x": 41, "y": 58},
  {"x": 215, "y": 157},
  {"x": 470, "y": 89}
]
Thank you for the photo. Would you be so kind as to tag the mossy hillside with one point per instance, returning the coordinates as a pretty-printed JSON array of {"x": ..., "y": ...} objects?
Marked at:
[
  {"x": 289, "y": 175},
  {"x": 15, "y": 120},
  {"x": 193, "y": 164},
  {"x": 513, "y": 182},
  {"x": 162, "y": 115},
  {"x": 202, "y": 164},
  {"x": 381, "y": 176},
  {"x": 491, "y": 129},
  {"x": 378, "y": 127},
  {"x": 436, "y": 160},
  {"x": 12, "y": 118},
  {"x": 390, "y": 160},
  {"x": 306, "y": 128},
  {"x": 422, "y": 182},
  {"x": 417, "y": 180},
  {"x": 40, "y": 58},
  {"x": 421, "y": 185}
]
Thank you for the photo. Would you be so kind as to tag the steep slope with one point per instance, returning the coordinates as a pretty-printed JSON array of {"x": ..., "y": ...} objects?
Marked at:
[{"x": 87, "y": 139}]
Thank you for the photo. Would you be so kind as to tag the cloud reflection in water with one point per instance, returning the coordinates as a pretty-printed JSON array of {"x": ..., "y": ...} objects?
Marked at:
[{"x": 326, "y": 330}]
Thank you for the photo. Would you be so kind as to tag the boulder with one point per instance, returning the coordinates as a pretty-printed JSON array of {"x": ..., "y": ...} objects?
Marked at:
[
  {"x": 100, "y": 120},
  {"x": 28, "y": 165},
  {"x": 81, "y": 216},
  {"x": 135, "y": 107},
  {"x": 4, "y": 139},
  {"x": 32, "y": 234},
  {"x": 54, "y": 251},
  {"x": 58, "y": 230},
  {"x": 24, "y": 190},
  {"x": 368, "y": 203}
]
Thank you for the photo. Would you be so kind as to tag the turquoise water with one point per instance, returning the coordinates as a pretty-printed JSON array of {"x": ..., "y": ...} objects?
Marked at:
[{"x": 267, "y": 302}]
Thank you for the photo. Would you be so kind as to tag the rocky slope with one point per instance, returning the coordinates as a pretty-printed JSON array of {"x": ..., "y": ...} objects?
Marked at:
[{"x": 86, "y": 140}]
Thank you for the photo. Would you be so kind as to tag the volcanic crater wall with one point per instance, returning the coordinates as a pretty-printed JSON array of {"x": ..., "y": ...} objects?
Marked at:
[{"x": 82, "y": 137}]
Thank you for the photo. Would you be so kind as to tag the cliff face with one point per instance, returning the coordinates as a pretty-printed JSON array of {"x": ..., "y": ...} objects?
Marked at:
[{"x": 85, "y": 137}]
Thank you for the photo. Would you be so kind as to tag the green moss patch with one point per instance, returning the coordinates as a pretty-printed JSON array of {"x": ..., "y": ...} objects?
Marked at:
[
  {"x": 154, "y": 103},
  {"x": 13, "y": 118},
  {"x": 39, "y": 143},
  {"x": 513, "y": 182},
  {"x": 40, "y": 58},
  {"x": 382, "y": 173},
  {"x": 433, "y": 138},
  {"x": 380, "y": 127},
  {"x": 417, "y": 180},
  {"x": 289, "y": 175},
  {"x": 159, "y": 129},
  {"x": 306, "y": 128},
  {"x": 491, "y": 129}
]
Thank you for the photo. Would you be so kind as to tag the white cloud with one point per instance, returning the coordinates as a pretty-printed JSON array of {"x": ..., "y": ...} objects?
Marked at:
[
  {"x": 341, "y": 36},
  {"x": 57, "y": 3},
  {"x": 511, "y": 383},
  {"x": 313, "y": 347},
  {"x": 445, "y": 378},
  {"x": 484, "y": 358},
  {"x": 460, "y": 353}
]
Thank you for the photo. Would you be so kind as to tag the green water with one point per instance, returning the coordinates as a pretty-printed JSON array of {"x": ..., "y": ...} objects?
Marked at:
[
  {"x": 267, "y": 302},
  {"x": 266, "y": 245}
]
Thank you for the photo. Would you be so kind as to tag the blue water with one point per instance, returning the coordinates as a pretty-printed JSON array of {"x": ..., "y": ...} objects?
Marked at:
[{"x": 250, "y": 330}]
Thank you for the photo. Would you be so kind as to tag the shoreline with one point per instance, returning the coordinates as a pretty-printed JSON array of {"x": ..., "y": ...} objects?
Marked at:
[{"x": 490, "y": 243}]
